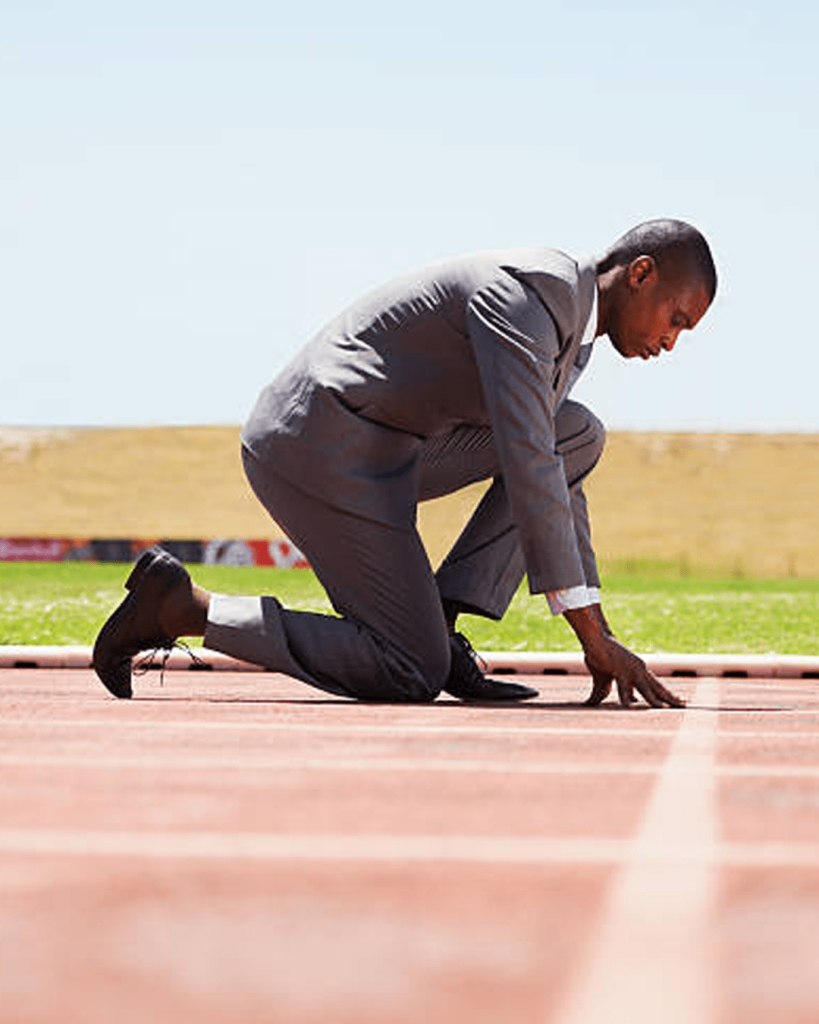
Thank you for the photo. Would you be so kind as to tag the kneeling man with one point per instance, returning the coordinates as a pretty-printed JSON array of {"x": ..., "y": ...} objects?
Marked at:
[{"x": 456, "y": 373}]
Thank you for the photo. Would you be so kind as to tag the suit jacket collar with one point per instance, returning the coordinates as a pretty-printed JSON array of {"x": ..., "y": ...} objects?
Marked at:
[
  {"x": 584, "y": 300},
  {"x": 566, "y": 287}
]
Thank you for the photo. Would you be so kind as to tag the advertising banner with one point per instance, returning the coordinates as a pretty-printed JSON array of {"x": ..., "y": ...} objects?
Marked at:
[{"x": 226, "y": 551}]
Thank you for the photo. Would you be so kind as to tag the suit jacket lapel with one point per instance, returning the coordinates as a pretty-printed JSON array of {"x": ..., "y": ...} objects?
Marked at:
[
  {"x": 567, "y": 294},
  {"x": 587, "y": 280}
]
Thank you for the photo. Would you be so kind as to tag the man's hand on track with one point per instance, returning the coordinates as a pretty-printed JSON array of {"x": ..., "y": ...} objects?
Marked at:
[
  {"x": 610, "y": 662},
  {"x": 618, "y": 664}
]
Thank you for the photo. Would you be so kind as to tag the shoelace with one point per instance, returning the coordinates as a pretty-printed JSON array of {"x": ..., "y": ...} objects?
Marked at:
[
  {"x": 468, "y": 649},
  {"x": 146, "y": 662}
]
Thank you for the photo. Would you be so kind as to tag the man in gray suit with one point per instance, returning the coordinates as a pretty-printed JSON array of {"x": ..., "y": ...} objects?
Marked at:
[{"x": 457, "y": 373}]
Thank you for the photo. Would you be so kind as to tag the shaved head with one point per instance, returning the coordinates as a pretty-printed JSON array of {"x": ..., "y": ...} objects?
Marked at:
[{"x": 678, "y": 249}]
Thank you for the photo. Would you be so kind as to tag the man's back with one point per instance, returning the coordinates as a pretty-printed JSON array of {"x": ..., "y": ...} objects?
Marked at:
[{"x": 402, "y": 356}]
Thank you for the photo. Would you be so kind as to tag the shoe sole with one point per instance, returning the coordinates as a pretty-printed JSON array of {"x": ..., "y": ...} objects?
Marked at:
[{"x": 525, "y": 693}]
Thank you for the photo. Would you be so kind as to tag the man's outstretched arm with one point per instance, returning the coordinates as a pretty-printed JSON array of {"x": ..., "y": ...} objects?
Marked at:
[{"x": 609, "y": 662}]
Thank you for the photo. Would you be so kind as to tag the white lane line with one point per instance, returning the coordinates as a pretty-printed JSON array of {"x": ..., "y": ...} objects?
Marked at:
[
  {"x": 542, "y": 851},
  {"x": 652, "y": 958},
  {"x": 357, "y": 728},
  {"x": 264, "y": 846},
  {"x": 221, "y": 762},
  {"x": 224, "y": 763},
  {"x": 653, "y": 726}
]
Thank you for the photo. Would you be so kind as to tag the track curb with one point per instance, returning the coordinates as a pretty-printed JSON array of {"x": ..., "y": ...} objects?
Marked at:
[{"x": 742, "y": 666}]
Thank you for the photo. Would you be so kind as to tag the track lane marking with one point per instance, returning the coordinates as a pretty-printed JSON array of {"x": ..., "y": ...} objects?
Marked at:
[
  {"x": 29, "y": 725},
  {"x": 652, "y": 957},
  {"x": 653, "y": 728},
  {"x": 220, "y": 762},
  {"x": 351, "y": 728},
  {"x": 470, "y": 849}
]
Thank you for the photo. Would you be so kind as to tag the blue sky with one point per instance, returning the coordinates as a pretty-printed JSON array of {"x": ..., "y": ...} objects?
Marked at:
[{"x": 189, "y": 190}]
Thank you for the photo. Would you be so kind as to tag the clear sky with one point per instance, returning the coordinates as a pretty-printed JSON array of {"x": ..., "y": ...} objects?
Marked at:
[{"x": 188, "y": 190}]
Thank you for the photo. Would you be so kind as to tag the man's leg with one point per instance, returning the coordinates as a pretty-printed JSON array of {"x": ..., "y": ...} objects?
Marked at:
[
  {"x": 390, "y": 642},
  {"x": 485, "y": 566}
]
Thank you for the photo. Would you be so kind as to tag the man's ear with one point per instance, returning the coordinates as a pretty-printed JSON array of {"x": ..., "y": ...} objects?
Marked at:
[{"x": 642, "y": 271}]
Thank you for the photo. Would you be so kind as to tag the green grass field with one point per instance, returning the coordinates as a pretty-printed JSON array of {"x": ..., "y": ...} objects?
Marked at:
[
  {"x": 720, "y": 554},
  {"x": 66, "y": 603}
]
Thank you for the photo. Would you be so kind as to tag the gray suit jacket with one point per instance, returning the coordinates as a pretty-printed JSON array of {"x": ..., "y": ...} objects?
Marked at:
[{"x": 484, "y": 340}]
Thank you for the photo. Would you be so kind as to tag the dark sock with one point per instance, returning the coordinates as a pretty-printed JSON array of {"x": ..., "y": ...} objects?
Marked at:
[{"x": 452, "y": 609}]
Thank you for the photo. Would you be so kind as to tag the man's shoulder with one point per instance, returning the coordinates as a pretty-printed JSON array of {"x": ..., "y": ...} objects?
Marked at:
[
  {"x": 540, "y": 259},
  {"x": 548, "y": 268},
  {"x": 564, "y": 284},
  {"x": 523, "y": 259}
]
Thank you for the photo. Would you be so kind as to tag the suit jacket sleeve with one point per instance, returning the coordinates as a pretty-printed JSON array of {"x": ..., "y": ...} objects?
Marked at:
[
  {"x": 583, "y": 533},
  {"x": 516, "y": 347}
]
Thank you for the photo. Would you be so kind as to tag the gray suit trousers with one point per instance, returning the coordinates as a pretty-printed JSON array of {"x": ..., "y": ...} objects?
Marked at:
[{"x": 390, "y": 641}]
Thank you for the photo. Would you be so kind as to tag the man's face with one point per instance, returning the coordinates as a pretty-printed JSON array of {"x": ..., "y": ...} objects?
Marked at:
[{"x": 652, "y": 310}]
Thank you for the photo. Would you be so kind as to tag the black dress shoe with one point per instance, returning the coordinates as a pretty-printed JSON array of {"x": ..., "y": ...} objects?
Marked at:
[
  {"x": 134, "y": 625},
  {"x": 468, "y": 683}
]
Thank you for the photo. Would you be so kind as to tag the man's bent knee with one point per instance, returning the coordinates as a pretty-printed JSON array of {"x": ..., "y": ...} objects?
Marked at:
[
  {"x": 595, "y": 433},
  {"x": 581, "y": 438}
]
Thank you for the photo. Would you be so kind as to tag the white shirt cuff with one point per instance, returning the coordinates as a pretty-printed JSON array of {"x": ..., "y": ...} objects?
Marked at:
[{"x": 572, "y": 597}]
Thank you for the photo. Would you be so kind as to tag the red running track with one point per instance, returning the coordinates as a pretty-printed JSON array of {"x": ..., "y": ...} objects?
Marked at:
[{"x": 234, "y": 847}]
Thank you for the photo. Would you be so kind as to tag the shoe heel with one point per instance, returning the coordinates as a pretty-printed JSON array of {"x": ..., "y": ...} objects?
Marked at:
[{"x": 141, "y": 567}]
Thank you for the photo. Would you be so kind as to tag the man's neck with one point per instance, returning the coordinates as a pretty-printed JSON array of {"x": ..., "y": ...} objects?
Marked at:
[{"x": 606, "y": 282}]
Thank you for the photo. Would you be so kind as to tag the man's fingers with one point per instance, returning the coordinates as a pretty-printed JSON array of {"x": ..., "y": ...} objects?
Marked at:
[
  {"x": 625, "y": 692},
  {"x": 650, "y": 697},
  {"x": 655, "y": 694},
  {"x": 601, "y": 688},
  {"x": 669, "y": 698},
  {"x": 632, "y": 677},
  {"x": 650, "y": 688}
]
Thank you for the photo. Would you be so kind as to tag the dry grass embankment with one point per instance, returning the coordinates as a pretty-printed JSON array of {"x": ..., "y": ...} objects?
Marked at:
[{"x": 727, "y": 503}]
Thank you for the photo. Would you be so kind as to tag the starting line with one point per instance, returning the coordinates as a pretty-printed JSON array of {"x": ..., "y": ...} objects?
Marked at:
[{"x": 731, "y": 666}]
